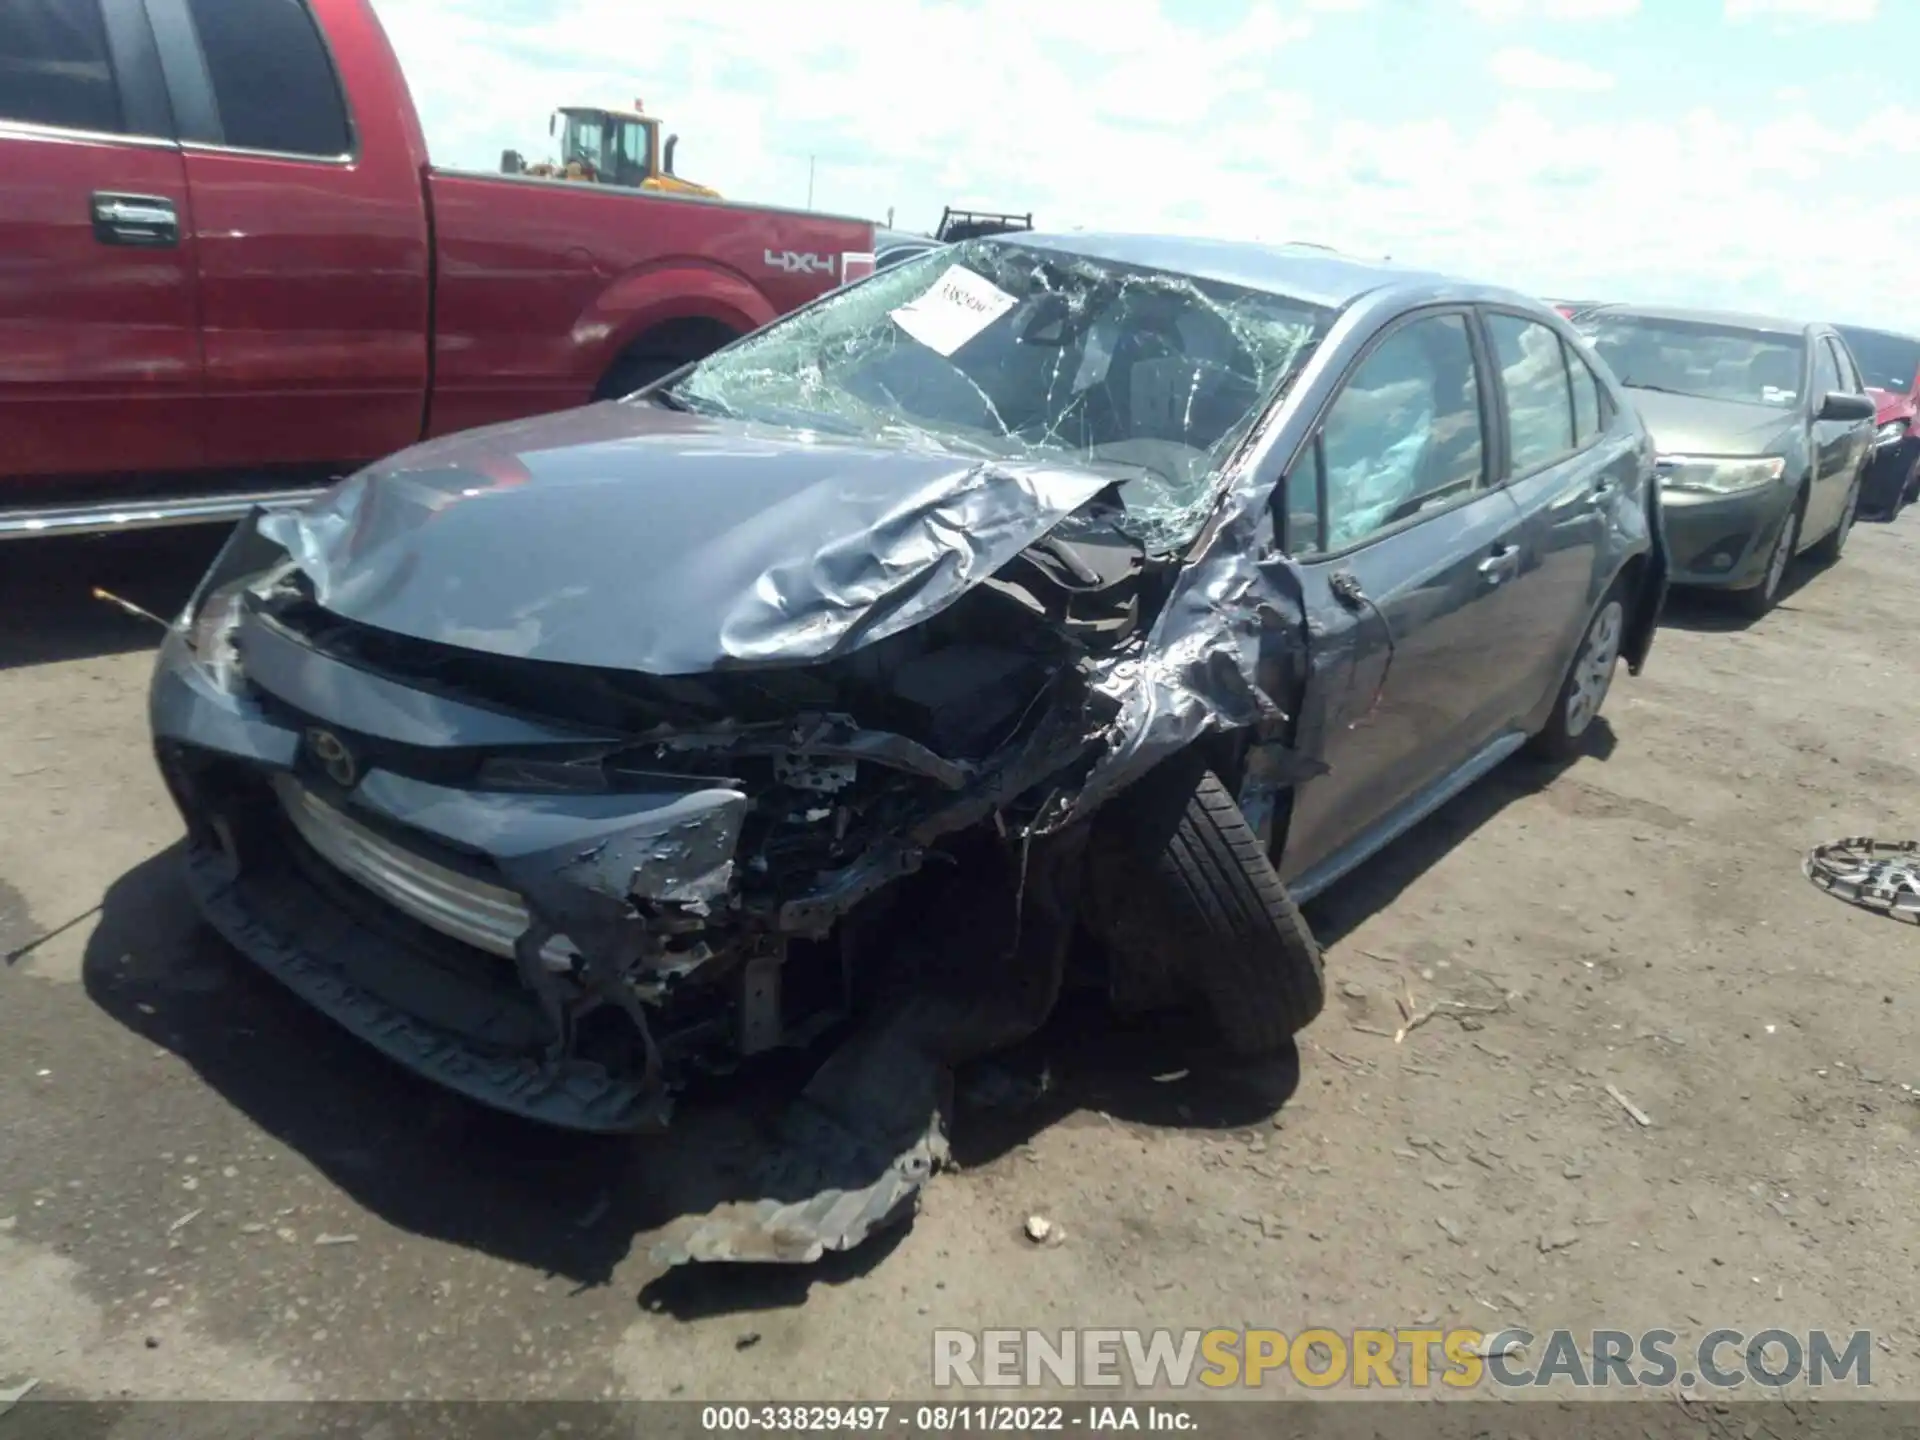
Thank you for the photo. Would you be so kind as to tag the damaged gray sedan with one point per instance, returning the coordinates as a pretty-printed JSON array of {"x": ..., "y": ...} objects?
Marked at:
[{"x": 1039, "y": 589}]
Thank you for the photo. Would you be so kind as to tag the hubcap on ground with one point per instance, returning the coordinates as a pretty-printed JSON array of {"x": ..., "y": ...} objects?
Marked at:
[
  {"x": 1593, "y": 671},
  {"x": 1782, "y": 553}
]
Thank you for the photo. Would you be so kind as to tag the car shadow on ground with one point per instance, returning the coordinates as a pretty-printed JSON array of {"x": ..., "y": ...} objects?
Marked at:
[
  {"x": 573, "y": 1206},
  {"x": 1716, "y": 612},
  {"x": 1378, "y": 882},
  {"x": 52, "y": 615}
]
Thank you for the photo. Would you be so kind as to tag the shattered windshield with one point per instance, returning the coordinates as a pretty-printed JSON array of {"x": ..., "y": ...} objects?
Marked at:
[
  {"x": 1888, "y": 362},
  {"x": 1703, "y": 359},
  {"x": 1002, "y": 350}
]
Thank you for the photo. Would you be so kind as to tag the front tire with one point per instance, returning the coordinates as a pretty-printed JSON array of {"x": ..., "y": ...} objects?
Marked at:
[
  {"x": 1180, "y": 885},
  {"x": 1827, "y": 549},
  {"x": 1759, "y": 599},
  {"x": 1589, "y": 678}
]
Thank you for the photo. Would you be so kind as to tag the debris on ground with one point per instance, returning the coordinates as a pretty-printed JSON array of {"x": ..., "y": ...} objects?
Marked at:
[
  {"x": 1412, "y": 1017},
  {"x": 1882, "y": 875},
  {"x": 1039, "y": 1229},
  {"x": 1640, "y": 1117},
  {"x": 1553, "y": 1240},
  {"x": 336, "y": 1239}
]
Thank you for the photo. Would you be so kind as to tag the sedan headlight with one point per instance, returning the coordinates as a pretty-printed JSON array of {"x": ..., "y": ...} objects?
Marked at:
[
  {"x": 1891, "y": 433},
  {"x": 208, "y": 633},
  {"x": 1717, "y": 474}
]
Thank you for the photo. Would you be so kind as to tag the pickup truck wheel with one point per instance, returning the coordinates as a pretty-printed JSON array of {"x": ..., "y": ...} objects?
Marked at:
[
  {"x": 1179, "y": 882},
  {"x": 631, "y": 372}
]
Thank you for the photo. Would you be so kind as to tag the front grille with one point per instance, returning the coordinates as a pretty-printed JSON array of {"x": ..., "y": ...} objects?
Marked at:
[{"x": 461, "y": 907}]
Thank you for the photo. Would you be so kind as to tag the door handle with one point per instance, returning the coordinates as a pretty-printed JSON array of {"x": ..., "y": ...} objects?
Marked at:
[
  {"x": 1502, "y": 565},
  {"x": 134, "y": 219}
]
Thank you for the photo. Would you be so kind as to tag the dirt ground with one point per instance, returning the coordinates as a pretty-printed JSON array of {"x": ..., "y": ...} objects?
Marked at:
[{"x": 208, "y": 1191}]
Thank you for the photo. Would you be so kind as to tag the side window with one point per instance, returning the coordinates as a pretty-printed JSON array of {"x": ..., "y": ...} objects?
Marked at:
[
  {"x": 633, "y": 138},
  {"x": 1533, "y": 371},
  {"x": 54, "y": 68},
  {"x": 1826, "y": 371},
  {"x": 272, "y": 81},
  {"x": 1589, "y": 410},
  {"x": 1404, "y": 432}
]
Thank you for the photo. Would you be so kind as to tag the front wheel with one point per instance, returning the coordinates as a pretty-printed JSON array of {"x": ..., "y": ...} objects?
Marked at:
[
  {"x": 1180, "y": 886},
  {"x": 1588, "y": 680},
  {"x": 1827, "y": 549},
  {"x": 1760, "y": 599}
]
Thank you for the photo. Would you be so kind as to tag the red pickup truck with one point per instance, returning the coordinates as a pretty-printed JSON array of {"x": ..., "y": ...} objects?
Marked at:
[{"x": 229, "y": 273}]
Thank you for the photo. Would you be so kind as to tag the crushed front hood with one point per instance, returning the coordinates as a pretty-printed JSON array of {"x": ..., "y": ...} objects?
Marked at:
[{"x": 630, "y": 537}]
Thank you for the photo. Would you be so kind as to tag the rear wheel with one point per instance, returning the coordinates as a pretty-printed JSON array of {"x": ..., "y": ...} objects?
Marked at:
[
  {"x": 1179, "y": 882},
  {"x": 1759, "y": 599},
  {"x": 1588, "y": 680}
]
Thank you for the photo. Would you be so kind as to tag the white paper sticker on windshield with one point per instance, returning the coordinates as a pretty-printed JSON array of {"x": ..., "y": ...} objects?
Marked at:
[{"x": 959, "y": 306}]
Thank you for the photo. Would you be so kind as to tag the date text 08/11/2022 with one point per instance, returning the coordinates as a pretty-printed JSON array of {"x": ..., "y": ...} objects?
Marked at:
[{"x": 878, "y": 1419}]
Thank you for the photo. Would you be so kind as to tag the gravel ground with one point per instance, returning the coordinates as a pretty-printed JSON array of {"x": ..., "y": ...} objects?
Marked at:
[{"x": 207, "y": 1191}]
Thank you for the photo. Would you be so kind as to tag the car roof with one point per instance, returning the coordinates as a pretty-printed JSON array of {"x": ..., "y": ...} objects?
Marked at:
[
  {"x": 1844, "y": 326},
  {"x": 1301, "y": 272},
  {"x": 1734, "y": 319}
]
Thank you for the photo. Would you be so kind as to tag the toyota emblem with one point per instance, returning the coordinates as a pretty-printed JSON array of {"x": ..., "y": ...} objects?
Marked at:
[{"x": 334, "y": 757}]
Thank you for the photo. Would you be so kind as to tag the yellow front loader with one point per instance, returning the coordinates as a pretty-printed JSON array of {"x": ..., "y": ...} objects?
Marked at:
[{"x": 610, "y": 147}]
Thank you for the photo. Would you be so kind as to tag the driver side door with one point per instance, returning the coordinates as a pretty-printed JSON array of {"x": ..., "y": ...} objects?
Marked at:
[
  {"x": 1833, "y": 447},
  {"x": 1408, "y": 552}
]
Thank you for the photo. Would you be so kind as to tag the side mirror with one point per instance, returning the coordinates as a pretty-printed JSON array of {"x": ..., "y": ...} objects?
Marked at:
[
  {"x": 552, "y": 120},
  {"x": 1839, "y": 405},
  {"x": 666, "y": 157}
]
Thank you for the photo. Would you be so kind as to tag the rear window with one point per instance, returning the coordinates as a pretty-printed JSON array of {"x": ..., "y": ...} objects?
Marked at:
[
  {"x": 272, "y": 80},
  {"x": 54, "y": 68}
]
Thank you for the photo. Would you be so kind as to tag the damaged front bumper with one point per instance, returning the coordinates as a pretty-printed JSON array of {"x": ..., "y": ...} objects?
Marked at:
[
  {"x": 490, "y": 900},
  {"x": 389, "y": 904}
]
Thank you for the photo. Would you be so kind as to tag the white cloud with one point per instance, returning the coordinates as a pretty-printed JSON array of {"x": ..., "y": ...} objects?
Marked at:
[
  {"x": 1525, "y": 69},
  {"x": 1844, "y": 11},
  {"x": 1553, "y": 9},
  {"x": 1143, "y": 123}
]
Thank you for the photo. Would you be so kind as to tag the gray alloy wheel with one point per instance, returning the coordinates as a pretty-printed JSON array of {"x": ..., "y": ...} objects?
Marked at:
[{"x": 1759, "y": 599}]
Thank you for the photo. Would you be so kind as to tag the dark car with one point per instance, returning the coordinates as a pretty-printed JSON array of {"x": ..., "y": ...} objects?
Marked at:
[
  {"x": 1891, "y": 365},
  {"x": 1764, "y": 429},
  {"x": 892, "y": 247},
  {"x": 1041, "y": 587}
]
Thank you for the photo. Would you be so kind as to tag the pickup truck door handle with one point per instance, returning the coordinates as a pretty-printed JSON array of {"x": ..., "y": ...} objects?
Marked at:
[
  {"x": 1502, "y": 565},
  {"x": 134, "y": 219}
]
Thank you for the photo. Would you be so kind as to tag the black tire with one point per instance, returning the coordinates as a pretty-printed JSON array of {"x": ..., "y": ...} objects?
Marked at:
[
  {"x": 1826, "y": 550},
  {"x": 1577, "y": 705},
  {"x": 630, "y": 372},
  {"x": 1758, "y": 600},
  {"x": 1180, "y": 883}
]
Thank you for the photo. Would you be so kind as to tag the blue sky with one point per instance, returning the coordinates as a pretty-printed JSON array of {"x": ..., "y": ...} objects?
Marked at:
[{"x": 1759, "y": 154}]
